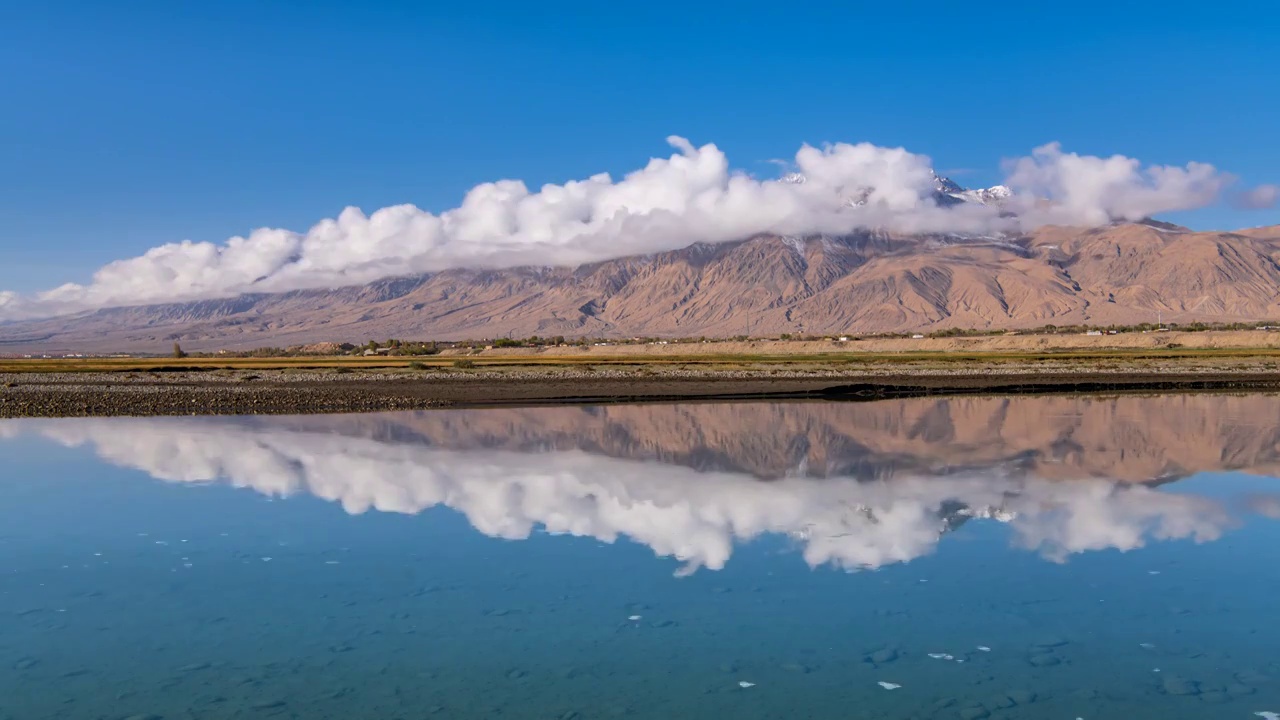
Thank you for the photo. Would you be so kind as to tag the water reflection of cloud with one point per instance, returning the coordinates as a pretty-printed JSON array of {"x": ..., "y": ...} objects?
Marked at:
[
  {"x": 1264, "y": 504},
  {"x": 694, "y": 516}
]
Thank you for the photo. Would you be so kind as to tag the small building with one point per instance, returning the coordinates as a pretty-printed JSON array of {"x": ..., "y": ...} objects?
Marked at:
[{"x": 917, "y": 336}]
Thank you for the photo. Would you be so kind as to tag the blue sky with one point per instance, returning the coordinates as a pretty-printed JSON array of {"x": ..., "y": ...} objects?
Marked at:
[{"x": 127, "y": 125}]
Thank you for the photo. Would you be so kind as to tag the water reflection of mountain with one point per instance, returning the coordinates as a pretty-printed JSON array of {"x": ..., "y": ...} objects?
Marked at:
[
  {"x": 1126, "y": 438},
  {"x": 854, "y": 485}
]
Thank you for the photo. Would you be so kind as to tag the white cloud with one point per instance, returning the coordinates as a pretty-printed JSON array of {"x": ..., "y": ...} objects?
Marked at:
[
  {"x": 692, "y": 196},
  {"x": 1088, "y": 190},
  {"x": 1262, "y": 197},
  {"x": 695, "y": 517}
]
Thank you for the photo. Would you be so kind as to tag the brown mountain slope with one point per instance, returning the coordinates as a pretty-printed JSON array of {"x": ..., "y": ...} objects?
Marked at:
[
  {"x": 1266, "y": 231},
  {"x": 872, "y": 282}
]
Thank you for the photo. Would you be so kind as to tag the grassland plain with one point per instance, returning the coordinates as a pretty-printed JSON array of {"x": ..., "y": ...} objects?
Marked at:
[{"x": 634, "y": 373}]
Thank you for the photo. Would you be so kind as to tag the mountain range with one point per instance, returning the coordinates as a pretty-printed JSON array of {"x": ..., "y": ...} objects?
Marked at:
[{"x": 867, "y": 282}]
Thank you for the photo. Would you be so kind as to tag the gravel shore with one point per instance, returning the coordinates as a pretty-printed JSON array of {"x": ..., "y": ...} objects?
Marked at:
[{"x": 237, "y": 392}]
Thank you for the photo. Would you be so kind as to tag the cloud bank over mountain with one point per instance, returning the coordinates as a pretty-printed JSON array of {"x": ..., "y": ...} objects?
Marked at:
[{"x": 692, "y": 196}]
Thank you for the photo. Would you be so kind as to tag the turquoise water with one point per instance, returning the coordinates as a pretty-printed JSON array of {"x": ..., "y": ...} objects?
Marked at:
[{"x": 982, "y": 557}]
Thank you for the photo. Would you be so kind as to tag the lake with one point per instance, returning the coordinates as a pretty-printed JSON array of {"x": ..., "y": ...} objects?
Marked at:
[{"x": 976, "y": 557}]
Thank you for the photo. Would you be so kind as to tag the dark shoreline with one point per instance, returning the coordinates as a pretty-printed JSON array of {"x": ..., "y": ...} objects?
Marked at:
[{"x": 79, "y": 395}]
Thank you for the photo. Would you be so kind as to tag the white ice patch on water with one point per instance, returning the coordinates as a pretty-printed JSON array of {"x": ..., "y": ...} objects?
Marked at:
[
  {"x": 888, "y": 685},
  {"x": 744, "y": 684},
  {"x": 983, "y": 648},
  {"x": 941, "y": 656},
  {"x": 633, "y": 618},
  {"x": 1268, "y": 715}
]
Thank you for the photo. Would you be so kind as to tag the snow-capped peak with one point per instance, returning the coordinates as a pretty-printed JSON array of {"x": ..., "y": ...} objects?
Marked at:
[
  {"x": 946, "y": 185},
  {"x": 945, "y": 191},
  {"x": 994, "y": 195}
]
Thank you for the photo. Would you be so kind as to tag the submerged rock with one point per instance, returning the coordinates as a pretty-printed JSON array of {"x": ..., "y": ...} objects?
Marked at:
[
  {"x": 885, "y": 655},
  {"x": 1002, "y": 701},
  {"x": 1022, "y": 697},
  {"x": 1174, "y": 685},
  {"x": 1050, "y": 642},
  {"x": 1045, "y": 660}
]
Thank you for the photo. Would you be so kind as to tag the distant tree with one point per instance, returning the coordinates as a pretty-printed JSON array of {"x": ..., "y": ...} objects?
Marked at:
[{"x": 178, "y": 352}]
